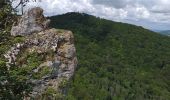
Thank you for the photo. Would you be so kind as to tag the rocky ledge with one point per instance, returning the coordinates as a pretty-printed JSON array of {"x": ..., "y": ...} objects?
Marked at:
[{"x": 49, "y": 54}]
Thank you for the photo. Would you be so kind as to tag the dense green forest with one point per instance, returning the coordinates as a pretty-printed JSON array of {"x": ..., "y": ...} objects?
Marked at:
[{"x": 117, "y": 61}]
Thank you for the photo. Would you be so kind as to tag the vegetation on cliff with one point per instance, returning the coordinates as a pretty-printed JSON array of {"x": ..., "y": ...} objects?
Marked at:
[
  {"x": 35, "y": 62},
  {"x": 117, "y": 61}
]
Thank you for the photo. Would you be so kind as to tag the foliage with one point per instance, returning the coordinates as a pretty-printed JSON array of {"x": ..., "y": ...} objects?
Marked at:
[
  {"x": 18, "y": 39},
  {"x": 43, "y": 71},
  {"x": 63, "y": 83},
  {"x": 51, "y": 94},
  {"x": 6, "y": 15},
  {"x": 117, "y": 61},
  {"x": 30, "y": 61},
  {"x": 14, "y": 83}
]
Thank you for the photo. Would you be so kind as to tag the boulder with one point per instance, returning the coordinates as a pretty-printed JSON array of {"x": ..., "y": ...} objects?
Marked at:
[{"x": 32, "y": 21}]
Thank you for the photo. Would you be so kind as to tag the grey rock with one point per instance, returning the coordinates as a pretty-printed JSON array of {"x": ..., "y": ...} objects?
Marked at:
[
  {"x": 47, "y": 63},
  {"x": 32, "y": 21},
  {"x": 61, "y": 61},
  {"x": 56, "y": 63}
]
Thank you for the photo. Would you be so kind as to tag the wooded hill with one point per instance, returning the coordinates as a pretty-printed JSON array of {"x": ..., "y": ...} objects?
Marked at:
[{"x": 117, "y": 61}]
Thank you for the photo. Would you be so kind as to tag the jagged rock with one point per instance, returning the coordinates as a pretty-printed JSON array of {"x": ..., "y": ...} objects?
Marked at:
[
  {"x": 57, "y": 47},
  {"x": 67, "y": 50},
  {"x": 32, "y": 21},
  {"x": 61, "y": 65},
  {"x": 12, "y": 53},
  {"x": 47, "y": 63}
]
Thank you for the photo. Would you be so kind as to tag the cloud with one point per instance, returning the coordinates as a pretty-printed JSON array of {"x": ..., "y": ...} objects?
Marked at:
[
  {"x": 154, "y": 13},
  {"x": 113, "y": 3}
]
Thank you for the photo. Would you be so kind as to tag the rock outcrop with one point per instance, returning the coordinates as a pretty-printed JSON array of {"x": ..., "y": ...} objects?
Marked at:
[
  {"x": 58, "y": 61},
  {"x": 32, "y": 21}
]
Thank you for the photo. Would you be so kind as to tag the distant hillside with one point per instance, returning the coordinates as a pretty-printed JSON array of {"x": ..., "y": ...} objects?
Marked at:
[
  {"x": 166, "y": 32},
  {"x": 117, "y": 61}
]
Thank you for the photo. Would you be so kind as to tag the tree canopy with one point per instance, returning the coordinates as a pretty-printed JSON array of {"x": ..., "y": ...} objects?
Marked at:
[{"x": 117, "y": 61}]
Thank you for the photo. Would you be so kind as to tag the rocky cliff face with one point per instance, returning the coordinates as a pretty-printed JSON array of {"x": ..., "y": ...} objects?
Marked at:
[{"x": 50, "y": 55}]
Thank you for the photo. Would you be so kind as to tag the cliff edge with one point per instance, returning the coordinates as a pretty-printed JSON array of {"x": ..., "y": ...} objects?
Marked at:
[{"x": 48, "y": 54}]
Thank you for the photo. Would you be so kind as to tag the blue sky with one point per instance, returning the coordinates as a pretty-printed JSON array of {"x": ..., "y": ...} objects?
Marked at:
[{"x": 151, "y": 14}]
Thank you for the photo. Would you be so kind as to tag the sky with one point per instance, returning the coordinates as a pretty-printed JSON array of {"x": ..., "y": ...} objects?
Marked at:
[{"x": 151, "y": 14}]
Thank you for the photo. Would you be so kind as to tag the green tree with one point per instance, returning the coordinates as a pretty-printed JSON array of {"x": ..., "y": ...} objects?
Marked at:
[{"x": 117, "y": 61}]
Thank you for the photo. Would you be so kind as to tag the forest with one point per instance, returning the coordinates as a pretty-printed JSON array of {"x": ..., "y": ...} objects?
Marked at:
[{"x": 117, "y": 61}]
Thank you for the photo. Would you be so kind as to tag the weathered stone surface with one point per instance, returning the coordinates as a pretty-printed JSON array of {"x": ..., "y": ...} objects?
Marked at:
[
  {"x": 62, "y": 65},
  {"x": 32, "y": 21},
  {"x": 12, "y": 53},
  {"x": 56, "y": 45}
]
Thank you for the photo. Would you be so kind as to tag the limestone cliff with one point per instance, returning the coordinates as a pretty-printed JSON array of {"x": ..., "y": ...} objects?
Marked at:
[{"x": 49, "y": 54}]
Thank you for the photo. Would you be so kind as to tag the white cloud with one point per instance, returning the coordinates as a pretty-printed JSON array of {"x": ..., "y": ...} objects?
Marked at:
[{"x": 149, "y": 11}]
